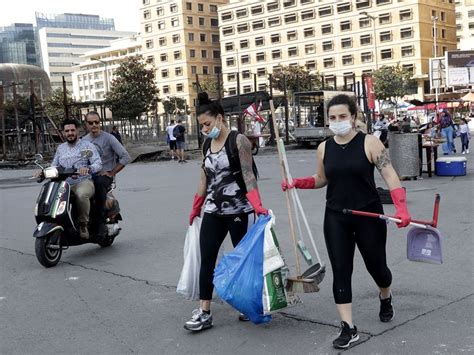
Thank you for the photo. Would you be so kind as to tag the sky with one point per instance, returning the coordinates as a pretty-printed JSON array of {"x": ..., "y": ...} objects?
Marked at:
[{"x": 124, "y": 12}]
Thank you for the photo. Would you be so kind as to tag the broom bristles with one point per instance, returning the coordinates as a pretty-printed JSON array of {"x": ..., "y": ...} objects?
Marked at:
[{"x": 298, "y": 285}]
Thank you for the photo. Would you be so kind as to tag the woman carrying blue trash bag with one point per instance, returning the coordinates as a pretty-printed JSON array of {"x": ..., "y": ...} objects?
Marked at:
[
  {"x": 346, "y": 166},
  {"x": 228, "y": 190}
]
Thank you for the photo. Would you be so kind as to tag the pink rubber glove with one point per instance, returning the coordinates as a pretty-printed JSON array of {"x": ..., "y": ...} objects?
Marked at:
[
  {"x": 307, "y": 182},
  {"x": 196, "y": 211},
  {"x": 399, "y": 198},
  {"x": 254, "y": 199}
]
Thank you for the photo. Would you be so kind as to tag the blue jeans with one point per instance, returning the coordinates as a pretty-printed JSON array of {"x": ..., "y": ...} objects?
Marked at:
[
  {"x": 447, "y": 133},
  {"x": 464, "y": 141}
]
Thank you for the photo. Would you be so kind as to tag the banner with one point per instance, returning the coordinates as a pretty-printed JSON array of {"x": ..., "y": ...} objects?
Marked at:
[
  {"x": 369, "y": 84},
  {"x": 460, "y": 68}
]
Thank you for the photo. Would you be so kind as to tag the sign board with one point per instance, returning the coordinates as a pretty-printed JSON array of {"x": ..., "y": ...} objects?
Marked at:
[
  {"x": 437, "y": 73},
  {"x": 460, "y": 68}
]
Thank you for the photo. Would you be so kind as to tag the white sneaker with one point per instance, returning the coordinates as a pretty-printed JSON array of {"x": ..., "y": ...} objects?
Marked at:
[
  {"x": 467, "y": 151},
  {"x": 463, "y": 152}
]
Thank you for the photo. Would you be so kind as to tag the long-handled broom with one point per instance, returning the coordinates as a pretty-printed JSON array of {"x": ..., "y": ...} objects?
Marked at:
[{"x": 296, "y": 284}]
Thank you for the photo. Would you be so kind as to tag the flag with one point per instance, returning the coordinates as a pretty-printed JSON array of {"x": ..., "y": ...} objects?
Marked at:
[{"x": 252, "y": 111}]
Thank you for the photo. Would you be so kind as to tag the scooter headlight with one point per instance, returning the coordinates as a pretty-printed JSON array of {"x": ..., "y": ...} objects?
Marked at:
[
  {"x": 61, "y": 207},
  {"x": 51, "y": 172}
]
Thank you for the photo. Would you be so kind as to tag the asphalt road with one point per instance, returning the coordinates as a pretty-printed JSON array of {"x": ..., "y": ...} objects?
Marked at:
[{"x": 122, "y": 299}]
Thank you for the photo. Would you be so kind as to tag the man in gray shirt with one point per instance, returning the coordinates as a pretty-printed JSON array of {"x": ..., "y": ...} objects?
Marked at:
[{"x": 114, "y": 158}]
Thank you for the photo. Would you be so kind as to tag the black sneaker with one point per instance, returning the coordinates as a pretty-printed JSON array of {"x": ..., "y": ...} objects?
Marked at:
[
  {"x": 346, "y": 336},
  {"x": 243, "y": 317},
  {"x": 386, "y": 313},
  {"x": 199, "y": 321}
]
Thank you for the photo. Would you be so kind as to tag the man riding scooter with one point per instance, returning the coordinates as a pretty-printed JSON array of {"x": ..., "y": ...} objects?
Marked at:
[
  {"x": 68, "y": 155},
  {"x": 114, "y": 158}
]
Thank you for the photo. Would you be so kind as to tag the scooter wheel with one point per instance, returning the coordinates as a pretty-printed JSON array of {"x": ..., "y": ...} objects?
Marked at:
[
  {"x": 46, "y": 256},
  {"x": 107, "y": 242}
]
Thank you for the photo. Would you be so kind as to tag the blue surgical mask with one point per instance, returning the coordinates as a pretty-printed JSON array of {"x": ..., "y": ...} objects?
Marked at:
[{"x": 214, "y": 133}]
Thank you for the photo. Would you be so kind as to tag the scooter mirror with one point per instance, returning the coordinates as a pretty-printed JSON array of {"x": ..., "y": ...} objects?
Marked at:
[
  {"x": 38, "y": 158},
  {"x": 86, "y": 153}
]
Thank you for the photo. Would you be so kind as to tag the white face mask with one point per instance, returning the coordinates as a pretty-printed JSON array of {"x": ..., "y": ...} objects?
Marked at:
[{"x": 341, "y": 128}]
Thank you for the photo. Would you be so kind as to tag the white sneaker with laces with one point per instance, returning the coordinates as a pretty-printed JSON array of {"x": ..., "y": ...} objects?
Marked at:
[{"x": 200, "y": 320}]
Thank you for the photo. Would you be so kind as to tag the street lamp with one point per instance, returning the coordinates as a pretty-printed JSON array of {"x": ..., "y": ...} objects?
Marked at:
[
  {"x": 435, "y": 42},
  {"x": 106, "y": 86},
  {"x": 372, "y": 18}
]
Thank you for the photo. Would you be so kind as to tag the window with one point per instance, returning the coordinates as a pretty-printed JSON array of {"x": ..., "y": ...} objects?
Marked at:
[
  {"x": 231, "y": 77},
  {"x": 310, "y": 65},
  {"x": 384, "y": 19},
  {"x": 344, "y": 7},
  {"x": 205, "y": 69},
  {"x": 330, "y": 82},
  {"x": 179, "y": 87},
  {"x": 409, "y": 67},
  {"x": 213, "y": 8},
  {"x": 230, "y": 62},
  {"x": 232, "y": 91},
  {"x": 304, "y": 2},
  {"x": 246, "y": 74},
  {"x": 386, "y": 54},
  {"x": 226, "y": 16},
  {"x": 261, "y": 71},
  {"x": 202, "y": 37},
  {"x": 362, "y": 4},
  {"x": 147, "y": 14},
  {"x": 326, "y": 29},
  {"x": 307, "y": 15},
  {"x": 290, "y": 18},
  {"x": 191, "y": 37},
  {"x": 166, "y": 89},
  {"x": 164, "y": 73},
  {"x": 275, "y": 38},
  {"x": 241, "y": 13},
  {"x": 161, "y": 25},
  {"x": 146, "y": 2},
  {"x": 385, "y": 36},
  {"x": 262, "y": 87},
  {"x": 150, "y": 59},
  {"x": 189, "y": 20},
  {"x": 365, "y": 40},
  {"x": 202, "y": 21},
  {"x": 160, "y": 11},
  {"x": 310, "y": 49},
  {"x": 201, "y": 7},
  {"x": 229, "y": 46},
  {"x": 345, "y": 25},
  {"x": 247, "y": 89},
  {"x": 407, "y": 51},
  {"x": 175, "y": 22},
  {"x": 192, "y": 53},
  {"x": 347, "y": 59},
  {"x": 176, "y": 38},
  {"x": 325, "y": 11},
  {"x": 328, "y": 62},
  {"x": 256, "y": 10},
  {"x": 276, "y": 69},
  {"x": 291, "y": 35},
  {"x": 364, "y": 22},
  {"x": 174, "y": 8},
  {"x": 193, "y": 69},
  {"x": 258, "y": 25},
  {"x": 177, "y": 55},
  {"x": 203, "y": 53},
  {"x": 259, "y": 41},
  {"x": 274, "y": 21},
  {"x": 443, "y": 33},
  {"x": 189, "y": 6},
  {"x": 470, "y": 13},
  {"x": 276, "y": 54},
  {"x": 366, "y": 57},
  {"x": 245, "y": 59},
  {"x": 405, "y": 15},
  {"x": 226, "y": 31},
  {"x": 328, "y": 46},
  {"x": 346, "y": 42},
  {"x": 149, "y": 44},
  {"x": 243, "y": 27},
  {"x": 244, "y": 43},
  {"x": 308, "y": 32},
  {"x": 273, "y": 6},
  {"x": 406, "y": 32},
  {"x": 162, "y": 41},
  {"x": 148, "y": 28},
  {"x": 260, "y": 57},
  {"x": 383, "y": 2},
  {"x": 443, "y": 16},
  {"x": 289, "y": 3},
  {"x": 215, "y": 38},
  {"x": 178, "y": 71},
  {"x": 292, "y": 51},
  {"x": 163, "y": 57}
]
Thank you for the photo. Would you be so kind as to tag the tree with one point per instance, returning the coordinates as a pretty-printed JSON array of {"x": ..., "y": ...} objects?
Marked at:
[
  {"x": 54, "y": 105},
  {"x": 133, "y": 90},
  {"x": 392, "y": 83},
  {"x": 174, "y": 105},
  {"x": 298, "y": 78},
  {"x": 211, "y": 86}
]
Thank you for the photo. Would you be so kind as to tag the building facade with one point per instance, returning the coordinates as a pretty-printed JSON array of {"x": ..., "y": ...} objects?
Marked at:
[
  {"x": 18, "y": 44},
  {"x": 340, "y": 40},
  {"x": 67, "y": 37},
  {"x": 181, "y": 39},
  {"x": 91, "y": 79},
  {"x": 465, "y": 24}
]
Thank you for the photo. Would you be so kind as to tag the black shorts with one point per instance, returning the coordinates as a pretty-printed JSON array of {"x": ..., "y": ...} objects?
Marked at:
[{"x": 173, "y": 145}]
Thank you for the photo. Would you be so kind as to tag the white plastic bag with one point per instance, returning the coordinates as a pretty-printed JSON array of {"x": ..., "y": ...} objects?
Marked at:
[{"x": 188, "y": 284}]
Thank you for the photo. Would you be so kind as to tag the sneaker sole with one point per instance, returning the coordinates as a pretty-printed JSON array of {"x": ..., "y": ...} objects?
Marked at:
[
  {"x": 389, "y": 320},
  {"x": 353, "y": 340},
  {"x": 202, "y": 327}
]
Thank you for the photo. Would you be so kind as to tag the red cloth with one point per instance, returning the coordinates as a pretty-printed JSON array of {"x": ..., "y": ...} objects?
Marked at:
[
  {"x": 196, "y": 211},
  {"x": 254, "y": 199},
  {"x": 307, "y": 182},
  {"x": 399, "y": 198}
]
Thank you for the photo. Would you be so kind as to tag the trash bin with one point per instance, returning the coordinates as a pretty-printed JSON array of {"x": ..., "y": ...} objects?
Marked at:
[{"x": 404, "y": 154}]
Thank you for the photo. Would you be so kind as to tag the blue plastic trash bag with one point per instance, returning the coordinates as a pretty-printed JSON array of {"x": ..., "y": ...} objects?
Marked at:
[{"x": 238, "y": 278}]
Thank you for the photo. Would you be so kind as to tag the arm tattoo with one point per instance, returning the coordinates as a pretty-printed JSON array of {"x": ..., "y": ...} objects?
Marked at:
[
  {"x": 382, "y": 160},
  {"x": 245, "y": 156}
]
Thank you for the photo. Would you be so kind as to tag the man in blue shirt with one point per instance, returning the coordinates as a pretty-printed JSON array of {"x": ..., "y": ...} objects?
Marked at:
[{"x": 68, "y": 155}]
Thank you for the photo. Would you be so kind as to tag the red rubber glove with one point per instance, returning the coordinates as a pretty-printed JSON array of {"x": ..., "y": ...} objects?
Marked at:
[
  {"x": 196, "y": 211},
  {"x": 307, "y": 182},
  {"x": 254, "y": 199},
  {"x": 399, "y": 198}
]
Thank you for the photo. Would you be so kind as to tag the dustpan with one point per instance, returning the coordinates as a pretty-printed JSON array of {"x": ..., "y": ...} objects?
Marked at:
[{"x": 425, "y": 245}]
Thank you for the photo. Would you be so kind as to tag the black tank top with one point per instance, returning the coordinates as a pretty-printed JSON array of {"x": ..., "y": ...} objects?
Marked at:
[{"x": 350, "y": 175}]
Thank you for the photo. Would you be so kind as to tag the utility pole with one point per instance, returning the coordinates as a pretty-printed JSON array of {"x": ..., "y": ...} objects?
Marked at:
[
  {"x": 435, "y": 40},
  {"x": 66, "y": 108},
  {"x": 17, "y": 120},
  {"x": 2, "y": 117}
]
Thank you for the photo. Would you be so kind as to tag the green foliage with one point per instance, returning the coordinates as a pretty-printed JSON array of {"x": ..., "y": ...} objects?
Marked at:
[
  {"x": 211, "y": 86},
  {"x": 174, "y": 105},
  {"x": 298, "y": 78},
  {"x": 133, "y": 90},
  {"x": 392, "y": 82},
  {"x": 54, "y": 105}
]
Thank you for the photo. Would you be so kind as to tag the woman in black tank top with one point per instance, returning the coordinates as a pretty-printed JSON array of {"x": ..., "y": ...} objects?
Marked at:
[{"x": 346, "y": 167}]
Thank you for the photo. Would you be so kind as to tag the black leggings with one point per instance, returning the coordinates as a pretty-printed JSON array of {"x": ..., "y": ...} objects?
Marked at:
[
  {"x": 214, "y": 229},
  {"x": 342, "y": 233}
]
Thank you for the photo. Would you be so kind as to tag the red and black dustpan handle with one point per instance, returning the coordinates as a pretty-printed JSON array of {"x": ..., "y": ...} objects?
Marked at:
[{"x": 414, "y": 223}]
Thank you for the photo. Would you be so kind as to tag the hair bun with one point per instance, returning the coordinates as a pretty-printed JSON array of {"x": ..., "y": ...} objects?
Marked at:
[{"x": 203, "y": 98}]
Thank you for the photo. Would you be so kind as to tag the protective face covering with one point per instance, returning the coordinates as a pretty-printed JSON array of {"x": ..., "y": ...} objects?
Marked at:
[
  {"x": 214, "y": 133},
  {"x": 341, "y": 128}
]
